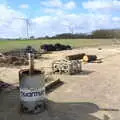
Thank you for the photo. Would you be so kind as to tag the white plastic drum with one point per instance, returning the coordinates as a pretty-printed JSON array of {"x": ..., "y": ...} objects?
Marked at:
[{"x": 32, "y": 91}]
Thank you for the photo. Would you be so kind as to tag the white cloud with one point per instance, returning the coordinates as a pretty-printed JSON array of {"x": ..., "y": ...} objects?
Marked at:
[
  {"x": 54, "y": 11},
  {"x": 59, "y": 4},
  {"x": 9, "y": 26},
  {"x": 70, "y": 5},
  {"x": 52, "y": 3},
  {"x": 116, "y": 19},
  {"x": 7, "y": 12},
  {"x": 102, "y": 4},
  {"x": 57, "y": 7},
  {"x": 24, "y": 6},
  {"x": 49, "y": 25}
]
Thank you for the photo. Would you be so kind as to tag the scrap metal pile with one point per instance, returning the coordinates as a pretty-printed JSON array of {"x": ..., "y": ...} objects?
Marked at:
[
  {"x": 56, "y": 47},
  {"x": 66, "y": 66}
]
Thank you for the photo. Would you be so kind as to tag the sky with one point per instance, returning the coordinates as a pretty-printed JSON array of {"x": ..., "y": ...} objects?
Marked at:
[{"x": 51, "y": 17}]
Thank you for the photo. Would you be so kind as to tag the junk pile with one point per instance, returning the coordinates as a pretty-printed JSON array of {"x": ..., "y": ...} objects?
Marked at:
[
  {"x": 23, "y": 52},
  {"x": 6, "y": 61},
  {"x": 66, "y": 66},
  {"x": 17, "y": 57},
  {"x": 56, "y": 47},
  {"x": 72, "y": 63}
]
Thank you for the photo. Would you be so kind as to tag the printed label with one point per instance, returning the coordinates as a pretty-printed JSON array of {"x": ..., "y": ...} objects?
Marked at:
[{"x": 32, "y": 94}]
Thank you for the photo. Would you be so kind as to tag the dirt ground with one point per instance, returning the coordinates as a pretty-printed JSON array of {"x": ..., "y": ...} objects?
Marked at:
[{"x": 91, "y": 95}]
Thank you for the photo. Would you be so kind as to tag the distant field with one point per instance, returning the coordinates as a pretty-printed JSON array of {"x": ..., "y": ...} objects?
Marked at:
[{"x": 6, "y": 45}]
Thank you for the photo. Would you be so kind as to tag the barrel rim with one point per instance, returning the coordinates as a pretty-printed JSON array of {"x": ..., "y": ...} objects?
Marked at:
[{"x": 26, "y": 72}]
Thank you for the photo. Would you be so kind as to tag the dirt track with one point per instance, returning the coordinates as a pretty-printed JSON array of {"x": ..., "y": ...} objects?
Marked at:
[{"x": 91, "y": 95}]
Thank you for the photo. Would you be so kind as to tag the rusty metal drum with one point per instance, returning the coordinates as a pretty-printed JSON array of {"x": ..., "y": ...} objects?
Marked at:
[{"x": 32, "y": 91}]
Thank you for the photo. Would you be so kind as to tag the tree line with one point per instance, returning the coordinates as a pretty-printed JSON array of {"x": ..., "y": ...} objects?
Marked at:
[{"x": 98, "y": 34}]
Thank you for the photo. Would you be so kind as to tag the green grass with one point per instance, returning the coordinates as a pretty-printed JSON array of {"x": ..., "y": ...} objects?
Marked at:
[{"x": 6, "y": 45}]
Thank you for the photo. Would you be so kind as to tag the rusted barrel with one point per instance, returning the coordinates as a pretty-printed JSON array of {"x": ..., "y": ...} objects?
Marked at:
[{"x": 32, "y": 91}]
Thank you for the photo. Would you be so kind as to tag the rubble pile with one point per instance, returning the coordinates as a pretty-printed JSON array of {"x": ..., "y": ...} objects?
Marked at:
[
  {"x": 12, "y": 61},
  {"x": 23, "y": 52}
]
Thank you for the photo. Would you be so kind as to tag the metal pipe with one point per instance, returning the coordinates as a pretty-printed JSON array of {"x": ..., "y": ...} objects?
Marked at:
[{"x": 31, "y": 63}]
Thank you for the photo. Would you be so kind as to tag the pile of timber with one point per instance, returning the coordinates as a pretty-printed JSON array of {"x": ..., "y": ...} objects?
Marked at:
[
  {"x": 89, "y": 58},
  {"x": 75, "y": 56}
]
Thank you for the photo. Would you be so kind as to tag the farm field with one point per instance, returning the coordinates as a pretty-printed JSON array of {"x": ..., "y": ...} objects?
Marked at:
[{"x": 6, "y": 45}]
